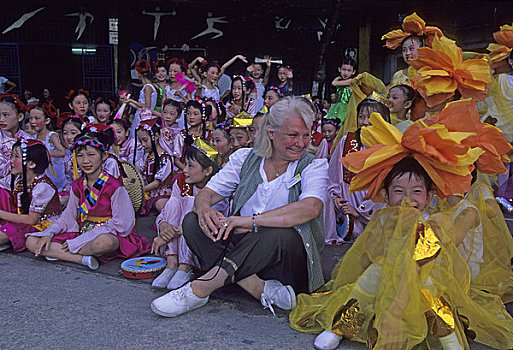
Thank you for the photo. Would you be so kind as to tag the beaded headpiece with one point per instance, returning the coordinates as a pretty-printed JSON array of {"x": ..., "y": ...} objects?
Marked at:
[
  {"x": 277, "y": 90},
  {"x": 374, "y": 96},
  {"x": 206, "y": 148},
  {"x": 242, "y": 120},
  {"x": 88, "y": 142}
]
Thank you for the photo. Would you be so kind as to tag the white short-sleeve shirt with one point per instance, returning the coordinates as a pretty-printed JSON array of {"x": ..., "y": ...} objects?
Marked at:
[{"x": 273, "y": 194}]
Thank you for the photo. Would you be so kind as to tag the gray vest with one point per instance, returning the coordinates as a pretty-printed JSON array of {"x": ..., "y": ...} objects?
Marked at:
[{"x": 312, "y": 232}]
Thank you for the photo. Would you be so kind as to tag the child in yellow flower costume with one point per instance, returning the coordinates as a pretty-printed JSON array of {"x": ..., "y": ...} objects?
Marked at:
[
  {"x": 488, "y": 245},
  {"x": 500, "y": 101},
  {"x": 404, "y": 282},
  {"x": 413, "y": 35}
]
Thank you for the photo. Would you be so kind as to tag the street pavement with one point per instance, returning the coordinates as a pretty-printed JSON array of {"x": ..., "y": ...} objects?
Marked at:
[{"x": 59, "y": 305}]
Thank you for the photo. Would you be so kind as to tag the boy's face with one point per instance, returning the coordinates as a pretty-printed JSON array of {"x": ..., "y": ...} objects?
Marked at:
[
  {"x": 398, "y": 99},
  {"x": 408, "y": 186}
]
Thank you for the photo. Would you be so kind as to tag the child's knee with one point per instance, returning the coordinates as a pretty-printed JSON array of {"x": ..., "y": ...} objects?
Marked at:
[
  {"x": 104, "y": 243},
  {"x": 31, "y": 243}
]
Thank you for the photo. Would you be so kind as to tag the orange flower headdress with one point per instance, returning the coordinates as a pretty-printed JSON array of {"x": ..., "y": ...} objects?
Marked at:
[
  {"x": 412, "y": 25},
  {"x": 440, "y": 152},
  {"x": 463, "y": 116},
  {"x": 442, "y": 71},
  {"x": 500, "y": 50}
]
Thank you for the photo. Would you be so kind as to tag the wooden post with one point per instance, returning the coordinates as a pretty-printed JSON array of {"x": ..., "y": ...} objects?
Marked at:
[{"x": 364, "y": 47}]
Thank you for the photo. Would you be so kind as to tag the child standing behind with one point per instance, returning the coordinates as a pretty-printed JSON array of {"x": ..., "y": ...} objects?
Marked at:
[
  {"x": 171, "y": 111},
  {"x": 200, "y": 166},
  {"x": 338, "y": 108},
  {"x": 39, "y": 122},
  {"x": 358, "y": 210},
  {"x": 158, "y": 167},
  {"x": 401, "y": 99}
]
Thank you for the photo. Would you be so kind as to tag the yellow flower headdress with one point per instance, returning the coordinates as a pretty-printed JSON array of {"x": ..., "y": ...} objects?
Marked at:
[
  {"x": 439, "y": 151},
  {"x": 442, "y": 71},
  {"x": 463, "y": 116},
  {"x": 412, "y": 25},
  {"x": 500, "y": 50}
]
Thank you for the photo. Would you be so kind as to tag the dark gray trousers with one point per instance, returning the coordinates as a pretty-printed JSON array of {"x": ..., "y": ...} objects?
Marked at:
[{"x": 271, "y": 253}]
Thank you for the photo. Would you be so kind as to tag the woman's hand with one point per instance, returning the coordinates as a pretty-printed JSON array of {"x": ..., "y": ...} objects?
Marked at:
[
  {"x": 44, "y": 242},
  {"x": 209, "y": 220},
  {"x": 235, "y": 224}
]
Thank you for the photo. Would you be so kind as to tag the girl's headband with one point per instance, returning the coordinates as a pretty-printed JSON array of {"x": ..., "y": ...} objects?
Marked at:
[
  {"x": 276, "y": 89},
  {"x": 88, "y": 142}
]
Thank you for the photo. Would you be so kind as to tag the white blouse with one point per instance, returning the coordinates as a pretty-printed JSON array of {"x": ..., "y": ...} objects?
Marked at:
[{"x": 273, "y": 194}]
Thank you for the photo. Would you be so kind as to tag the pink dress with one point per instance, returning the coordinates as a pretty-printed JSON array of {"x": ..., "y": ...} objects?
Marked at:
[
  {"x": 168, "y": 138},
  {"x": 44, "y": 200},
  {"x": 338, "y": 186},
  {"x": 84, "y": 219},
  {"x": 125, "y": 152},
  {"x": 248, "y": 108},
  {"x": 179, "y": 204},
  {"x": 6, "y": 143},
  {"x": 164, "y": 175}
]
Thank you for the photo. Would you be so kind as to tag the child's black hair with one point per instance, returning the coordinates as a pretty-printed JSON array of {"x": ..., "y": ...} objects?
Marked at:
[
  {"x": 123, "y": 123},
  {"x": 74, "y": 93},
  {"x": 408, "y": 165},
  {"x": 408, "y": 91},
  {"x": 205, "y": 110},
  {"x": 194, "y": 154},
  {"x": 75, "y": 121},
  {"x": 15, "y": 103},
  {"x": 36, "y": 153},
  {"x": 220, "y": 108},
  {"x": 155, "y": 129},
  {"x": 415, "y": 37},
  {"x": 173, "y": 103},
  {"x": 349, "y": 62},
  {"x": 374, "y": 106}
]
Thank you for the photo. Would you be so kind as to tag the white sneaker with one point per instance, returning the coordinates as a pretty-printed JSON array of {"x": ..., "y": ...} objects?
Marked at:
[
  {"x": 4, "y": 246},
  {"x": 91, "y": 262},
  {"x": 327, "y": 341},
  {"x": 179, "y": 279},
  {"x": 177, "y": 302},
  {"x": 279, "y": 295},
  {"x": 163, "y": 279},
  {"x": 50, "y": 258}
]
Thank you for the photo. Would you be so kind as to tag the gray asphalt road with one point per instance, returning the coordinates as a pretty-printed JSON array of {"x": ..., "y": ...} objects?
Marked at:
[
  {"x": 52, "y": 306},
  {"x": 49, "y": 306}
]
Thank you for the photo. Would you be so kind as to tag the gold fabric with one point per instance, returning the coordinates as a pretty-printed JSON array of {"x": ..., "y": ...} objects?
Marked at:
[
  {"x": 496, "y": 271},
  {"x": 440, "y": 318},
  {"x": 380, "y": 273}
]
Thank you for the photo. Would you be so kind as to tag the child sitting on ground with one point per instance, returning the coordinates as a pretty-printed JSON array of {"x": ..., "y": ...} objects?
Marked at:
[
  {"x": 98, "y": 221},
  {"x": 200, "y": 166}
]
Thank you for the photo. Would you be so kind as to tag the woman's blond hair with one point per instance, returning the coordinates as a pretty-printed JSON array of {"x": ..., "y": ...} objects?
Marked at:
[{"x": 291, "y": 105}]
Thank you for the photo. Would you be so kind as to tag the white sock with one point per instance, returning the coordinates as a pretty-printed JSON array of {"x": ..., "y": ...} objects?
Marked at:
[
  {"x": 450, "y": 342},
  {"x": 50, "y": 258},
  {"x": 179, "y": 279},
  {"x": 163, "y": 279},
  {"x": 90, "y": 261}
]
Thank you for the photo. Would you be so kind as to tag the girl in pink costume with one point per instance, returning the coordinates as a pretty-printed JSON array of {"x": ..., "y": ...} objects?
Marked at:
[
  {"x": 99, "y": 218},
  {"x": 200, "y": 166},
  {"x": 358, "y": 210},
  {"x": 29, "y": 200}
]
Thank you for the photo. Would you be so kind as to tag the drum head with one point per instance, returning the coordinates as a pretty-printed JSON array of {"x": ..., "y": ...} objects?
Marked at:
[
  {"x": 143, "y": 267},
  {"x": 345, "y": 225},
  {"x": 134, "y": 185}
]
